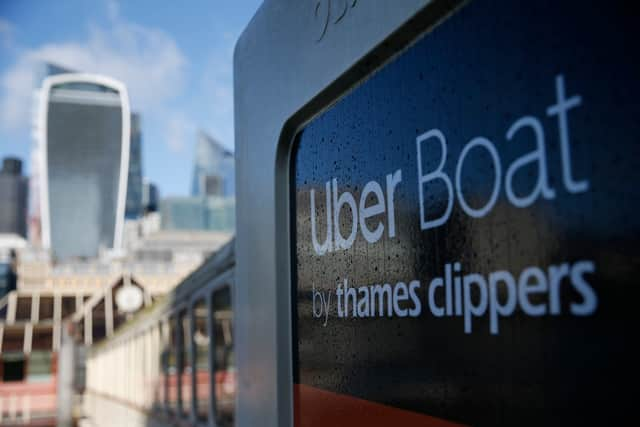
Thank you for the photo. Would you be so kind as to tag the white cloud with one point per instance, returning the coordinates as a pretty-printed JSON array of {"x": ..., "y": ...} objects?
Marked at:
[
  {"x": 147, "y": 60},
  {"x": 180, "y": 130},
  {"x": 16, "y": 86},
  {"x": 217, "y": 84}
]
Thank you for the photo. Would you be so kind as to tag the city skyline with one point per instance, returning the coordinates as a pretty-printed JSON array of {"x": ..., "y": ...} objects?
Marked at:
[{"x": 178, "y": 75}]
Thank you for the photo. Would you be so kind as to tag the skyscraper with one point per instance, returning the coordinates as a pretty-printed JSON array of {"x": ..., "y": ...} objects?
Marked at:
[
  {"x": 150, "y": 196},
  {"x": 43, "y": 71},
  {"x": 213, "y": 173},
  {"x": 84, "y": 134},
  {"x": 13, "y": 198},
  {"x": 134, "y": 206},
  {"x": 8, "y": 278}
]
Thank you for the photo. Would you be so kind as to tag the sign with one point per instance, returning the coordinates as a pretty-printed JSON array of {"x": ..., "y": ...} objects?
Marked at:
[
  {"x": 129, "y": 298},
  {"x": 466, "y": 227}
]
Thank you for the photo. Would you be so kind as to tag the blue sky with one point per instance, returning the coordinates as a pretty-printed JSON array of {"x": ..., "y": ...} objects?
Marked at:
[{"x": 175, "y": 57}]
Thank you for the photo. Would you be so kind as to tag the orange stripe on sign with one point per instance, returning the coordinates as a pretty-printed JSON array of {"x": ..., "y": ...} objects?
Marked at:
[{"x": 314, "y": 407}]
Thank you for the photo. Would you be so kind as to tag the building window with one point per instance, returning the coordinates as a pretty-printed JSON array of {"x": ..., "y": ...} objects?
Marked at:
[
  {"x": 13, "y": 339},
  {"x": 201, "y": 346},
  {"x": 224, "y": 372},
  {"x": 40, "y": 366},
  {"x": 23, "y": 309},
  {"x": 46, "y": 308},
  {"x": 68, "y": 306},
  {"x": 13, "y": 367},
  {"x": 42, "y": 338}
]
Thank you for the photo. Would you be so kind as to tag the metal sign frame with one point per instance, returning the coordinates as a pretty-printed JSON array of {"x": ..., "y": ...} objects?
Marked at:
[{"x": 292, "y": 62}]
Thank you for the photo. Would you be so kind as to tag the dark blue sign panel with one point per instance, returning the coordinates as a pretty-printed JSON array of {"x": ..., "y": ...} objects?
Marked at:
[{"x": 466, "y": 226}]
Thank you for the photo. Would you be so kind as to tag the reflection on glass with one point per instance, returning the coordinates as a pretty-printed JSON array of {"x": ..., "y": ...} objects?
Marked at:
[
  {"x": 185, "y": 365},
  {"x": 201, "y": 345},
  {"x": 224, "y": 366},
  {"x": 172, "y": 366}
]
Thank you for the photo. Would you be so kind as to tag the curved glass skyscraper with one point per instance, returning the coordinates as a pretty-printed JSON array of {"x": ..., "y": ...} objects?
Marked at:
[
  {"x": 213, "y": 173},
  {"x": 85, "y": 132}
]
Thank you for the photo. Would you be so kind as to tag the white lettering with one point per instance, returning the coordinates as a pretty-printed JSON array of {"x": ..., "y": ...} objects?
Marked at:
[
  {"x": 377, "y": 208},
  {"x": 495, "y": 307},
  {"x": 526, "y": 288},
  {"x": 345, "y": 198},
  {"x": 560, "y": 109},
  {"x": 539, "y": 155},
  {"x": 327, "y": 245},
  {"x": 589, "y": 297},
  {"x": 479, "y": 141},
  {"x": 432, "y": 176}
]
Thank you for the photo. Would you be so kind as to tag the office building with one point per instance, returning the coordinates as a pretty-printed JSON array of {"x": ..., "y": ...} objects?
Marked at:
[
  {"x": 150, "y": 196},
  {"x": 10, "y": 244},
  {"x": 213, "y": 173},
  {"x": 134, "y": 208},
  {"x": 43, "y": 70},
  {"x": 7, "y": 279},
  {"x": 84, "y": 133},
  {"x": 48, "y": 69},
  {"x": 198, "y": 213},
  {"x": 43, "y": 295},
  {"x": 14, "y": 188}
]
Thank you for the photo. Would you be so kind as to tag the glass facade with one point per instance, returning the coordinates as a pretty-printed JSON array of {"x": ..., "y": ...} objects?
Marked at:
[
  {"x": 14, "y": 195},
  {"x": 214, "y": 173},
  {"x": 7, "y": 282},
  {"x": 198, "y": 213},
  {"x": 84, "y": 148},
  {"x": 134, "y": 208},
  {"x": 150, "y": 196}
]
